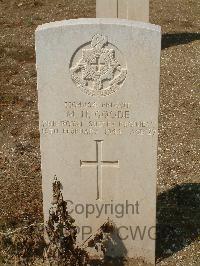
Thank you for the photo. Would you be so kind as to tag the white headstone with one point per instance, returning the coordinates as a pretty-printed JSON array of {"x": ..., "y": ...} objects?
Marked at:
[
  {"x": 125, "y": 9},
  {"x": 98, "y": 85}
]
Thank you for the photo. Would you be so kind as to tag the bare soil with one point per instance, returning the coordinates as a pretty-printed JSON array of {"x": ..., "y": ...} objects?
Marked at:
[{"x": 178, "y": 214}]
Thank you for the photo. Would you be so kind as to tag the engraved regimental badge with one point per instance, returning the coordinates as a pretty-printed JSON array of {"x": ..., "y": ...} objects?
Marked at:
[{"x": 98, "y": 67}]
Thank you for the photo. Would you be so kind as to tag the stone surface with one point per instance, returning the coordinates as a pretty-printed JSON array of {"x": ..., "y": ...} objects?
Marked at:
[
  {"x": 138, "y": 10},
  {"x": 106, "y": 8},
  {"x": 98, "y": 85},
  {"x": 124, "y": 9}
]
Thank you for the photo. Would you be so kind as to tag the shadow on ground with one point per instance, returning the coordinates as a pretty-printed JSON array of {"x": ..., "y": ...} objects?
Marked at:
[
  {"x": 178, "y": 224},
  {"x": 173, "y": 39},
  {"x": 178, "y": 219}
]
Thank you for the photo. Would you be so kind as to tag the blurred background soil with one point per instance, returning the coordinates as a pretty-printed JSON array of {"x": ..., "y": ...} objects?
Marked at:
[{"x": 178, "y": 215}]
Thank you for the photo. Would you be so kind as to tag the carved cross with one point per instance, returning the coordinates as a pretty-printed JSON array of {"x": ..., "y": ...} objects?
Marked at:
[
  {"x": 98, "y": 64},
  {"x": 99, "y": 163}
]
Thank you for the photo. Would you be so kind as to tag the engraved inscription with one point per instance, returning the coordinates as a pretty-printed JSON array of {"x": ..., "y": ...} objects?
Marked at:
[
  {"x": 99, "y": 163},
  {"x": 103, "y": 117},
  {"x": 98, "y": 72}
]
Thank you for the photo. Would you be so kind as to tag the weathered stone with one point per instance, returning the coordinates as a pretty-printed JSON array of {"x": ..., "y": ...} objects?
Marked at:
[
  {"x": 125, "y": 9},
  {"x": 106, "y": 8},
  {"x": 138, "y": 10},
  {"x": 98, "y": 85}
]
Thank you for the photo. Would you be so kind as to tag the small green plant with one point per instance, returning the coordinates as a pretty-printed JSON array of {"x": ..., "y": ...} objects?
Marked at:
[
  {"x": 62, "y": 233},
  {"x": 55, "y": 242}
]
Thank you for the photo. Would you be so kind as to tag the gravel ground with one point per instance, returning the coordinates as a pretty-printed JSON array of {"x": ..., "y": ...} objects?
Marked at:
[{"x": 178, "y": 153}]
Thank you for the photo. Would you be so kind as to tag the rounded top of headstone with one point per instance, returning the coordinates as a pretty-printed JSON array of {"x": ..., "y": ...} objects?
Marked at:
[{"x": 90, "y": 21}]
